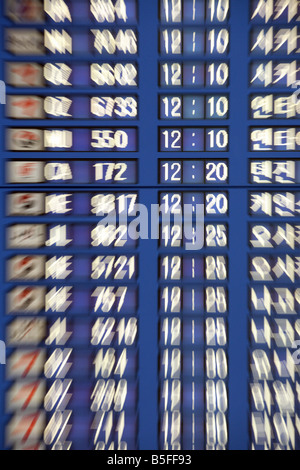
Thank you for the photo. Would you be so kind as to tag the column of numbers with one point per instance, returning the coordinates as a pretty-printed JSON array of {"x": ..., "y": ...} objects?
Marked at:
[
  {"x": 193, "y": 292},
  {"x": 193, "y": 400}
]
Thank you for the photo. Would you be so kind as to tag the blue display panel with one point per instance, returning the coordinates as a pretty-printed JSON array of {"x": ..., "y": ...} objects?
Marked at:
[{"x": 150, "y": 233}]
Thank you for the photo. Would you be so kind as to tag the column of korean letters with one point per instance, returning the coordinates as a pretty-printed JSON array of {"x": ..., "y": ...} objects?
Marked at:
[{"x": 274, "y": 229}]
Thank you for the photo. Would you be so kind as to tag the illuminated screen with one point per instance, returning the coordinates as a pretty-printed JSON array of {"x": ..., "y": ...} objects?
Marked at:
[{"x": 150, "y": 226}]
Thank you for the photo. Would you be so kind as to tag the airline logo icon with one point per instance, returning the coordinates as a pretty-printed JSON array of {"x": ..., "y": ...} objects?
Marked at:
[
  {"x": 24, "y": 75},
  {"x": 26, "y": 267},
  {"x": 25, "y": 427},
  {"x": 25, "y": 395},
  {"x": 24, "y": 42},
  {"x": 26, "y": 204},
  {"x": 25, "y": 172},
  {"x": 29, "y": 331},
  {"x": 26, "y": 236},
  {"x": 25, "y": 140},
  {"x": 26, "y": 363},
  {"x": 26, "y": 299},
  {"x": 25, "y": 107},
  {"x": 25, "y": 11}
]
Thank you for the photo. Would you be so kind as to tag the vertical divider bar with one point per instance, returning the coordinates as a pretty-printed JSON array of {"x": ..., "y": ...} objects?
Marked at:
[
  {"x": 2, "y": 236},
  {"x": 238, "y": 235},
  {"x": 148, "y": 297}
]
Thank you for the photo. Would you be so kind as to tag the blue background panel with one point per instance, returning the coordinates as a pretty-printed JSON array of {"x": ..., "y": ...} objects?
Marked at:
[{"x": 194, "y": 149}]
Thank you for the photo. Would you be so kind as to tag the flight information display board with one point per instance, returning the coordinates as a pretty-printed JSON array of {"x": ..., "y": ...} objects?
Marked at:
[{"x": 150, "y": 230}]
